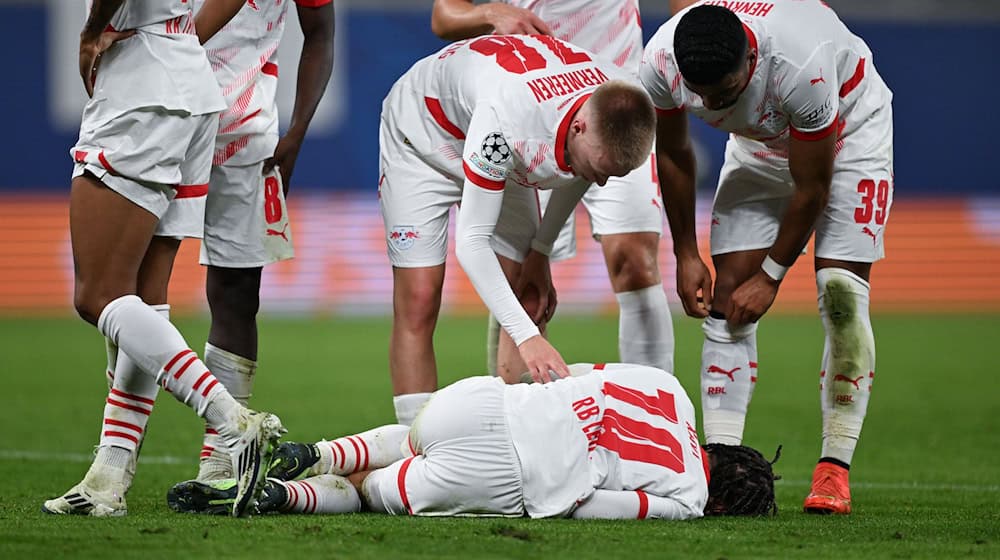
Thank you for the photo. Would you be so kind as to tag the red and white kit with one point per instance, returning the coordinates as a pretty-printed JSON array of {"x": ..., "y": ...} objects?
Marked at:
[
  {"x": 459, "y": 126},
  {"x": 148, "y": 130},
  {"x": 807, "y": 82},
  {"x": 246, "y": 219},
  {"x": 612, "y": 31},
  {"x": 621, "y": 431}
]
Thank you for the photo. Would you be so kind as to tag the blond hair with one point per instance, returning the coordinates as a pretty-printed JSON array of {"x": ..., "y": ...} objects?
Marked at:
[{"x": 625, "y": 121}]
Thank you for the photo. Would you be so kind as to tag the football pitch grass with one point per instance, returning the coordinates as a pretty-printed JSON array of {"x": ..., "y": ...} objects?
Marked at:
[{"x": 926, "y": 478}]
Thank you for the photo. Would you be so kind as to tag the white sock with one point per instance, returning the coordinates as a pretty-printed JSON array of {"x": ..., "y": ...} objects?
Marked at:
[
  {"x": 374, "y": 449},
  {"x": 325, "y": 493},
  {"x": 159, "y": 349},
  {"x": 408, "y": 406},
  {"x": 492, "y": 344},
  {"x": 727, "y": 379},
  {"x": 236, "y": 374},
  {"x": 848, "y": 360},
  {"x": 645, "y": 329},
  {"x": 131, "y": 396}
]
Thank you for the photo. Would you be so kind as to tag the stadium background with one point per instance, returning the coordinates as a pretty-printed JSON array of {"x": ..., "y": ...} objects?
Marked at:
[{"x": 943, "y": 238}]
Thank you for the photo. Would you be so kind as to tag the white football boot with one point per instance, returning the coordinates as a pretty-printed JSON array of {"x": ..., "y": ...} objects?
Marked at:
[
  {"x": 251, "y": 455},
  {"x": 100, "y": 494}
]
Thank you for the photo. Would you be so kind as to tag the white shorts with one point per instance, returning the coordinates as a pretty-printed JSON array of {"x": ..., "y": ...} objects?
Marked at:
[
  {"x": 246, "y": 218},
  {"x": 753, "y": 195},
  {"x": 466, "y": 464},
  {"x": 416, "y": 194},
  {"x": 160, "y": 160},
  {"x": 629, "y": 204}
]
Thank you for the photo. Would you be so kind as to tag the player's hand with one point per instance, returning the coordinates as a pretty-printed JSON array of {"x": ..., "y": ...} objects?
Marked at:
[
  {"x": 285, "y": 154},
  {"x": 541, "y": 358},
  {"x": 511, "y": 20},
  {"x": 694, "y": 286},
  {"x": 752, "y": 299},
  {"x": 536, "y": 280},
  {"x": 91, "y": 49}
]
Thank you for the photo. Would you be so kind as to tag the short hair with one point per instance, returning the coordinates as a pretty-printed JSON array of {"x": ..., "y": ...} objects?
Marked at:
[
  {"x": 709, "y": 43},
  {"x": 741, "y": 481},
  {"x": 625, "y": 122}
]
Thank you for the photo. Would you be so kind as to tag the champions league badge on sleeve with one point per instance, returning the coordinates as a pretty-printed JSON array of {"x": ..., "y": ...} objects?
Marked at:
[
  {"x": 402, "y": 237},
  {"x": 495, "y": 149}
]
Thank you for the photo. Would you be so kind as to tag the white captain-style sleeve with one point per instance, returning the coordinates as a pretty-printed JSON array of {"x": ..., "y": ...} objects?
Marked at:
[
  {"x": 659, "y": 75},
  {"x": 561, "y": 205},
  {"x": 631, "y": 504},
  {"x": 486, "y": 161},
  {"x": 810, "y": 97}
]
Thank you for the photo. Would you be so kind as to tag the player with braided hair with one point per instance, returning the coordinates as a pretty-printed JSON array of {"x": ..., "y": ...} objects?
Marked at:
[
  {"x": 620, "y": 443},
  {"x": 810, "y": 150}
]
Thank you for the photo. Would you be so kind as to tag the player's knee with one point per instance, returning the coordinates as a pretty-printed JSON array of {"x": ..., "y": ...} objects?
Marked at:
[
  {"x": 89, "y": 303},
  {"x": 631, "y": 260},
  {"x": 843, "y": 296},
  {"x": 417, "y": 306}
]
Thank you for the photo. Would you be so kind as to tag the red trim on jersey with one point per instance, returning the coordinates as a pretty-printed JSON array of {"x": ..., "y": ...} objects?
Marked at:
[
  {"x": 313, "y": 3},
  {"x": 104, "y": 162},
  {"x": 751, "y": 44},
  {"x": 270, "y": 68},
  {"x": 481, "y": 181},
  {"x": 816, "y": 134},
  {"x": 671, "y": 111},
  {"x": 599, "y": 366},
  {"x": 401, "y": 483},
  {"x": 563, "y": 131},
  {"x": 191, "y": 191},
  {"x": 643, "y": 504},
  {"x": 80, "y": 156},
  {"x": 853, "y": 81},
  {"x": 437, "y": 113}
]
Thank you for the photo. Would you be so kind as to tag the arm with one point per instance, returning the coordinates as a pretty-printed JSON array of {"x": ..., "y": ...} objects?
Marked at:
[
  {"x": 811, "y": 166},
  {"x": 675, "y": 166},
  {"x": 630, "y": 504},
  {"x": 461, "y": 19},
  {"x": 94, "y": 40},
  {"x": 315, "y": 66},
  {"x": 213, "y": 16},
  {"x": 535, "y": 271}
]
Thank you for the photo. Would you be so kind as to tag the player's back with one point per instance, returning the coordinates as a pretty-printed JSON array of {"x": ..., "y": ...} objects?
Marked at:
[
  {"x": 610, "y": 29},
  {"x": 621, "y": 427},
  {"x": 134, "y": 14}
]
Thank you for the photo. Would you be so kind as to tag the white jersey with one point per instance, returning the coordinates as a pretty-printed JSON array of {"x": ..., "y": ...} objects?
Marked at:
[
  {"x": 812, "y": 77},
  {"x": 244, "y": 57},
  {"x": 166, "y": 65},
  {"x": 621, "y": 427},
  {"x": 610, "y": 29},
  {"x": 501, "y": 106}
]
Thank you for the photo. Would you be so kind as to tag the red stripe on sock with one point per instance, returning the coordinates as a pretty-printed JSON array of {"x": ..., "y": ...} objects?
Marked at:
[
  {"x": 128, "y": 406},
  {"x": 367, "y": 455},
  {"x": 209, "y": 388},
  {"x": 210, "y": 431},
  {"x": 341, "y": 450},
  {"x": 201, "y": 380},
  {"x": 120, "y": 424},
  {"x": 315, "y": 498},
  {"x": 135, "y": 398},
  {"x": 293, "y": 496},
  {"x": 122, "y": 435},
  {"x": 184, "y": 367},
  {"x": 357, "y": 454},
  {"x": 179, "y": 355},
  {"x": 643, "y": 504}
]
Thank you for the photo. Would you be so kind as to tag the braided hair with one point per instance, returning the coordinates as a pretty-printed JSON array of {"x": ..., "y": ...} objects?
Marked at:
[
  {"x": 709, "y": 44},
  {"x": 741, "y": 481}
]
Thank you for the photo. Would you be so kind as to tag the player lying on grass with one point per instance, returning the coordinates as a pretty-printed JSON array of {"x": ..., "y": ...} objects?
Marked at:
[{"x": 614, "y": 441}]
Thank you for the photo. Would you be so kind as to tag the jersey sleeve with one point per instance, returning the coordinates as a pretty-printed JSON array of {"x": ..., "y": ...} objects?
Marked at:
[
  {"x": 654, "y": 74},
  {"x": 312, "y": 3},
  {"x": 486, "y": 162},
  {"x": 631, "y": 504},
  {"x": 811, "y": 100}
]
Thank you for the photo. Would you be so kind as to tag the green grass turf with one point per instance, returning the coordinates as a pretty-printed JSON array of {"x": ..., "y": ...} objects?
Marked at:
[{"x": 926, "y": 476}]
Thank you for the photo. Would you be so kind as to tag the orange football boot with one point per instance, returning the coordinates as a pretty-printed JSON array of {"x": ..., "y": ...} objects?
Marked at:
[{"x": 830, "y": 492}]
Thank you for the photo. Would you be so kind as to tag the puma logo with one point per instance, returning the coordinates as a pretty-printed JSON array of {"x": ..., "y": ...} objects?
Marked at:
[
  {"x": 815, "y": 81},
  {"x": 253, "y": 4},
  {"x": 728, "y": 373},
  {"x": 867, "y": 231},
  {"x": 276, "y": 233},
  {"x": 854, "y": 382}
]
